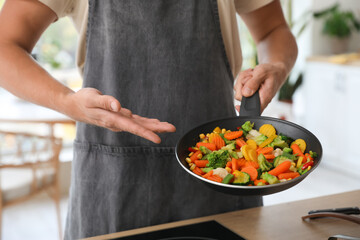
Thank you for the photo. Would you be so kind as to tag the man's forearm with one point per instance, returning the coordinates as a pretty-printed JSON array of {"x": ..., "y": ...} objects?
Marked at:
[
  {"x": 23, "y": 77},
  {"x": 278, "y": 47}
]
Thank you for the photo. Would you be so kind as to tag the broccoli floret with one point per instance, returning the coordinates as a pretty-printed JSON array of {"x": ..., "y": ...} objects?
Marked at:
[
  {"x": 278, "y": 142},
  {"x": 231, "y": 149},
  {"x": 264, "y": 164},
  {"x": 260, "y": 139},
  {"x": 218, "y": 159},
  {"x": 247, "y": 126},
  {"x": 289, "y": 156},
  {"x": 271, "y": 179},
  {"x": 204, "y": 150},
  {"x": 287, "y": 139},
  {"x": 313, "y": 154},
  {"x": 287, "y": 150}
]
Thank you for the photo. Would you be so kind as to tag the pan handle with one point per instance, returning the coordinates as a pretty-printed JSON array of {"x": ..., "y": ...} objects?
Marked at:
[{"x": 250, "y": 106}]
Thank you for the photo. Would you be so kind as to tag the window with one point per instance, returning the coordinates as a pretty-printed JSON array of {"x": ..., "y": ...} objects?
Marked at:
[{"x": 56, "y": 49}]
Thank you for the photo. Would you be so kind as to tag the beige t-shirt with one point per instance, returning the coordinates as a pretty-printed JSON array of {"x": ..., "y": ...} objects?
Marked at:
[{"x": 78, "y": 11}]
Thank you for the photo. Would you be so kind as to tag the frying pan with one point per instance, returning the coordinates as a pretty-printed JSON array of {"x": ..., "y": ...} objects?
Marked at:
[{"x": 250, "y": 111}]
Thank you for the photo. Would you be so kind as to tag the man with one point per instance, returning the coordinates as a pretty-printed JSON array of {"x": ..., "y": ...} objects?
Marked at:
[{"x": 144, "y": 61}]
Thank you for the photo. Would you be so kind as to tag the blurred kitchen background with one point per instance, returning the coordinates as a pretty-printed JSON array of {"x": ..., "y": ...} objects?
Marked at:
[{"x": 321, "y": 94}]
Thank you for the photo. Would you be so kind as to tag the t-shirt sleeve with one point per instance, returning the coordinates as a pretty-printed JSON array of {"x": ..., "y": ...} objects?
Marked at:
[
  {"x": 60, "y": 7},
  {"x": 244, "y": 6}
]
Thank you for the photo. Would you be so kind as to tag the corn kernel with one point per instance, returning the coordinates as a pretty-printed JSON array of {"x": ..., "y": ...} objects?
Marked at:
[
  {"x": 217, "y": 130},
  {"x": 236, "y": 173},
  {"x": 190, "y": 154},
  {"x": 309, "y": 167},
  {"x": 200, "y": 156},
  {"x": 195, "y": 148},
  {"x": 202, "y": 136},
  {"x": 188, "y": 160},
  {"x": 223, "y": 130},
  {"x": 228, "y": 169},
  {"x": 193, "y": 166},
  {"x": 211, "y": 137}
]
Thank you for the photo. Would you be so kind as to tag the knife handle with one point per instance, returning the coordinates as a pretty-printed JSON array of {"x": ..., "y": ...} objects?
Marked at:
[{"x": 346, "y": 210}]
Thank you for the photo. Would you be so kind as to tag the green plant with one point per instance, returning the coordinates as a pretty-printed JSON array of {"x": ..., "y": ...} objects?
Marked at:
[
  {"x": 288, "y": 89},
  {"x": 338, "y": 23}
]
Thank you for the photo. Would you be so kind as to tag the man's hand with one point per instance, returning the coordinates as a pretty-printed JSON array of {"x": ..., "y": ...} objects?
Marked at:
[
  {"x": 267, "y": 77},
  {"x": 90, "y": 106}
]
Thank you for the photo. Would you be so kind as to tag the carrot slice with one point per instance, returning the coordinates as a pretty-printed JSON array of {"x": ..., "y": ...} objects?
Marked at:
[
  {"x": 281, "y": 168},
  {"x": 215, "y": 178},
  {"x": 218, "y": 141},
  {"x": 195, "y": 156},
  {"x": 265, "y": 150},
  {"x": 210, "y": 146},
  {"x": 252, "y": 163},
  {"x": 288, "y": 175},
  {"x": 201, "y": 163},
  {"x": 251, "y": 171},
  {"x": 240, "y": 142},
  {"x": 234, "y": 164},
  {"x": 233, "y": 135}
]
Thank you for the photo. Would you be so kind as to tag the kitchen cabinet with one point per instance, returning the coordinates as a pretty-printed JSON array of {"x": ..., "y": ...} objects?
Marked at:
[{"x": 331, "y": 97}]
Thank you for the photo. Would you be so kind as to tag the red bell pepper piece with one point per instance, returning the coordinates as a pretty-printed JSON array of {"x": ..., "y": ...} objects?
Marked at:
[
  {"x": 306, "y": 165},
  {"x": 192, "y": 149}
]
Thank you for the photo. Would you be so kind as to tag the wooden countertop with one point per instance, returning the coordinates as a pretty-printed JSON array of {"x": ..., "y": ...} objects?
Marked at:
[
  {"x": 350, "y": 59},
  {"x": 281, "y": 221}
]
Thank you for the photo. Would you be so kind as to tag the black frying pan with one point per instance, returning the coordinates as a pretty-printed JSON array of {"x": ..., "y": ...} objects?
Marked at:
[{"x": 250, "y": 111}]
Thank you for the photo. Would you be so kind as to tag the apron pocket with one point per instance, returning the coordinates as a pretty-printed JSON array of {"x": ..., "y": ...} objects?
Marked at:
[{"x": 113, "y": 187}]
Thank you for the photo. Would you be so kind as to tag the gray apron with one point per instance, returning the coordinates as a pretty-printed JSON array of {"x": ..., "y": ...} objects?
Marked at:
[{"x": 161, "y": 59}]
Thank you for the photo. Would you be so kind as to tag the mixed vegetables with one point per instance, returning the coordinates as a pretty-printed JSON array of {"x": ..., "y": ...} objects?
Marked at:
[{"x": 249, "y": 157}]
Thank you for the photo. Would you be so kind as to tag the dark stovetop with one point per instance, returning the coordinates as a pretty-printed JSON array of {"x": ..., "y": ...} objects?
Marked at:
[{"x": 210, "y": 230}]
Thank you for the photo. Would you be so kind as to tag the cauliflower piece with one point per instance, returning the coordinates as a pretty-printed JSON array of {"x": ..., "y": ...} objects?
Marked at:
[
  {"x": 222, "y": 172},
  {"x": 277, "y": 152},
  {"x": 253, "y": 134}
]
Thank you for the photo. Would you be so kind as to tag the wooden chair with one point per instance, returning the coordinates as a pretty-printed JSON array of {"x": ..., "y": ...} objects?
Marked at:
[{"x": 29, "y": 165}]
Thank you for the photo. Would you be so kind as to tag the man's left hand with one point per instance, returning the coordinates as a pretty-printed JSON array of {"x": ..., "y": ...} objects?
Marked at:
[{"x": 267, "y": 77}]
